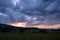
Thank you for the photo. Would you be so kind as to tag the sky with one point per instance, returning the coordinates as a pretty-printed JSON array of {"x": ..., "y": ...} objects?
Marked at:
[{"x": 32, "y": 13}]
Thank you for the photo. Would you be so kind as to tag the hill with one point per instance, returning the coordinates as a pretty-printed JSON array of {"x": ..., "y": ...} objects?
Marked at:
[{"x": 7, "y": 28}]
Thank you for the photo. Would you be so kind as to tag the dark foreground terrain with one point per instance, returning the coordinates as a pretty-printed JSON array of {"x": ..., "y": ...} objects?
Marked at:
[
  {"x": 14, "y": 33},
  {"x": 29, "y": 36}
]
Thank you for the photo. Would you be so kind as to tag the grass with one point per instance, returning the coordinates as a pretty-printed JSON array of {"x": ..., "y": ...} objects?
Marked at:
[{"x": 29, "y": 36}]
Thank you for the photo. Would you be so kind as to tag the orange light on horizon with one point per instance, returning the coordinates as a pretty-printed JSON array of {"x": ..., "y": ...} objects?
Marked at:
[
  {"x": 17, "y": 24},
  {"x": 23, "y": 24}
]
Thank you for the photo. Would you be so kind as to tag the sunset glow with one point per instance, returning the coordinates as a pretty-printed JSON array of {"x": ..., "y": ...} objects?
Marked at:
[{"x": 23, "y": 24}]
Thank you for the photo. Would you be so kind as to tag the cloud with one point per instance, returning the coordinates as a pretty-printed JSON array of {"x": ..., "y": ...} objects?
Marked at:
[
  {"x": 15, "y": 2},
  {"x": 3, "y": 14},
  {"x": 34, "y": 12}
]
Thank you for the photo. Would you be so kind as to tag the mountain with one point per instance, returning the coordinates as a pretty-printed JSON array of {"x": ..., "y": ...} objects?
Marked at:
[
  {"x": 8, "y": 28},
  {"x": 4, "y": 27}
]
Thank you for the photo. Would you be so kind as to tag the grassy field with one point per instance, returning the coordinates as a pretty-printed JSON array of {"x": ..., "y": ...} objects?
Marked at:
[{"x": 29, "y": 36}]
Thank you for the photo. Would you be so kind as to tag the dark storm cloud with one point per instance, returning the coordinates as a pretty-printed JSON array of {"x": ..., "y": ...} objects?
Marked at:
[
  {"x": 7, "y": 7},
  {"x": 4, "y": 18},
  {"x": 45, "y": 11},
  {"x": 34, "y": 12}
]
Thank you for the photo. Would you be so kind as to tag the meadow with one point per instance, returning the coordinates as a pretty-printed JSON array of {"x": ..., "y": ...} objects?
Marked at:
[{"x": 15, "y": 35}]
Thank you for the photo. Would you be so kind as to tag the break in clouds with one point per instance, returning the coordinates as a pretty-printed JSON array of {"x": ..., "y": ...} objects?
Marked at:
[{"x": 34, "y": 12}]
